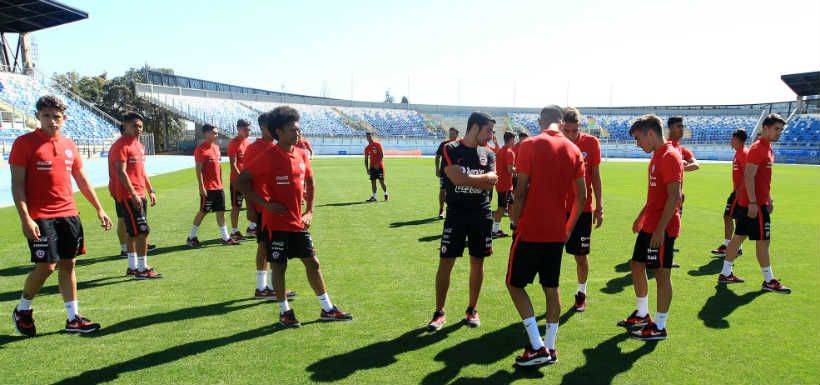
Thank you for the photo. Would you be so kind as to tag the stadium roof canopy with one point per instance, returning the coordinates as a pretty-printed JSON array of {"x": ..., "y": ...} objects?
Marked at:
[
  {"x": 20, "y": 16},
  {"x": 805, "y": 84}
]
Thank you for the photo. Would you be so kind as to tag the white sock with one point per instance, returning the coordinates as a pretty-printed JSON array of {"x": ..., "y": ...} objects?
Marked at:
[
  {"x": 142, "y": 263},
  {"x": 642, "y": 306},
  {"x": 386, "y": 193},
  {"x": 768, "y": 275},
  {"x": 132, "y": 261},
  {"x": 374, "y": 195},
  {"x": 531, "y": 326},
  {"x": 25, "y": 304},
  {"x": 252, "y": 225},
  {"x": 726, "y": 242},
  {"x": 123, "y": 247},
  {"x": 224, "y": 230},
  {"x": 194, "y": 229},
  {"x": 549, "y": 338},
  {"x": 496, "y": 226},
  {"x": 582, "y": 287},
  {"x": 324, "y": 300},
  {"x": 72, "y": 309},
  {"x": 727, "y": 268},
  {"x": 261, "y": 280},
  {"x": 660, "y": 320},
  {"x": 235, "y": 230},
  {"x": 283, "y": 306}
]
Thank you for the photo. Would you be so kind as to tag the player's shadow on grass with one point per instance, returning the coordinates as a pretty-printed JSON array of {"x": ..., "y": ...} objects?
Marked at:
[
  {"x": 606, "y": 361},
  {"x": 722, "y": 304},
  {"x": 415, "y": 222},
  {"x": 54, "y": 289},
  {"x": 175, "y": 353},
  {"x": 184, "y": 247},
  {"x": 80, "y": 261},
  {"x": 712, "y": 268},
  {"x": 188, "y": 313},
  {"x": 500, "y": 377},
  {"x": 430, "y": 238},
  {"x": 617, "y": 285},
  {"x": 377, "y": 355},
  {"x": 342, "y": 204}
]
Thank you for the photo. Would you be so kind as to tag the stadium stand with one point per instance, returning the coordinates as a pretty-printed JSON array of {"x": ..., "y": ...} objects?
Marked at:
[
  {"x": 313, "y": 121},
  {"x": 392, "y": 123},
  {"x": 223, "y": 113},
  {"x": 802, "y": 131}
]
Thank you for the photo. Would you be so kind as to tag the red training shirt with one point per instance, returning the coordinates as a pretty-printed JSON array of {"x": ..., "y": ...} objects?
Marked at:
[
  {"x": 591, "y": 151},
  {"x": 665, "y": 167},
  {"x": 131, "y": 152},
  {"x": 375, "y": 151},
  {"x": 283, "y": 175},
  {"x": 255, "y": 149},
  {"x": 237, "y": 148},
  {"x": 738, "y": 168},
  {"x": 761, "y": 155},
  {"x": 208, "y": 154},
  {"x": 505, "y": 157}
]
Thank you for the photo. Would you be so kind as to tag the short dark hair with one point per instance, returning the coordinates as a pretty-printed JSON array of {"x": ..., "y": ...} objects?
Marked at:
[
  {"x": 572, "y": 115},
  {"x": 740, "y": 134},
  {"x": 279, "y": 117},
  {"x": 479, "y": 118},
  {"x": 523, "y": 134},
  {"x": 551, "y": 114},
  {"x": 772, "y": 119},
  {"x": 50, "y": 101},
  {"x": 262, "y": 119},
  {"x": 674, "y": 120},
  {"x": 129, "y": 117},
  {"x": 207, "y": 127},
  {"x": 242, "y": 123},
  {"x": 453, "y": 129},
  {"x": 509, "y": 136},
  {"x": 646, "y": 123}
]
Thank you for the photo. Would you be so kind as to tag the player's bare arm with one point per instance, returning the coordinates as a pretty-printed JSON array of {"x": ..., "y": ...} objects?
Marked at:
[
  {"x": 88, "y": 192},
  {"x": 673, "y": 191}
]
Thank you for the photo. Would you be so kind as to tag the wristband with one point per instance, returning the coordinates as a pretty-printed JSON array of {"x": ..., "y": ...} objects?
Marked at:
[{"x": 152, "y": 191}]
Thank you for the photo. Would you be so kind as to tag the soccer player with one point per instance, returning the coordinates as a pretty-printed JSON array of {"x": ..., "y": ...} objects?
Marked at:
[
  {"x": 522, "y": 136},
  {"x": 657, "y": 225},
  {"x": 754, "y": 206},
  {"x": 676, "y": 127},
  {"x": 305, "y": 145},
  {"x": 236, "y": 153},
  {"x": 738, "y": 166},
  {"x": 579, "y": 242},
  {"x": 549, "y": 167},
  {"x": 209, "y": 179},
  {"x": 42, "y": 165},
  {"x": 285, "y": 172},
  {"x": 374, "y": 152},
  {"x": 469, "y": 167},
  {"x": 440, "y": 170},
  {"x": 129, "y": 185},
  {"x": 505, "y": 166}
]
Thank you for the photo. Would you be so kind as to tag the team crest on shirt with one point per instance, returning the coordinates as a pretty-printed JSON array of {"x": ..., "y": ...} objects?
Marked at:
[
  {"x": 652, "y": 170},
  {"x": 274, "y": 255},
  {"x": 584, "y": 153},
  {"x": 69, "y": 153},
  {"x": 482, "y": 160},
  {"x": 302, "y": 166},
  {"x": 443, "y": 249},
  {"x": 40, "y": 253}
]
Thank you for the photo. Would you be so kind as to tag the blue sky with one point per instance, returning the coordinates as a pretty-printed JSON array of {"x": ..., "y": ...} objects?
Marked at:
[{"x": 584, "y": 53}]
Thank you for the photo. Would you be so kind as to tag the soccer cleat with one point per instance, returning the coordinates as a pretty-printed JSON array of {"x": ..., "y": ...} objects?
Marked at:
[
  {"x": 147, "y": 274},
  {"x": 81, "y": 324},
  {"x": 633, "y": 321},
  {"x": 335, "y": 314},
  {"x": 385, "y": 197},
  {"x": 288, "y": 319},
  {"x": 237, "y": 236},
  {"x": 151, "y": 248},
  {"x": 265, "y": 293},
  {"x": 441, "y": 215},
  {"x": 739, "y": 252},
  {"x": 250, "y": 233},
  {"x": 471, "y": 317},
  {"x": 776, "y": 287},
  {"x": 130, "y": 272},
  {"x": 675, "y": 266},
  {"x": 123, "y": 254},
  {"x": 499, "y": 234},
  {"x": 720, "y": 251},
  {"x": 731, "y": 278},
  {"x": 532, "y": 357},
  {"x": 24, "y": 322},
  {"x": 439, "y": 319},
  {"x": 649, "y": 332},
  {"x": 580, "y": 301},
  {"x": 371, "y": 199},
  {"x": 193, "y": 242},
  {"x": 230, "y": 242}
]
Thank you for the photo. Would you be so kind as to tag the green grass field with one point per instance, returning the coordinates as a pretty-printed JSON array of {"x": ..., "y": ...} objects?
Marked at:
[{"x": 200, "y": 325}]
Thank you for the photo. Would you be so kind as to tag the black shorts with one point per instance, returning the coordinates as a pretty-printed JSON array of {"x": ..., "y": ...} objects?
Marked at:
[
  {"x": 236, "y": 197},
  {"x": 283, "y": 245},
  {"x": 731, "y": 205},
  {"x": 515, "y": 182},
  {"x": 654, "y": 258},
  {"x": 530, "y": 258},
  {"x": 757, "y": 229},
  {"x": 505, "y": 199},
  {"x": 579, "y": 240},
  {"x": 376, "y": 174},
  {"x": 60, "y": 238},
  {"x": 214, "y": 201},
  {"x": 135, "y": 218},
  {"x": 442, "y": 181},
  {"x": 474, "y": 232},
  {"x": 680, "y": 208}
]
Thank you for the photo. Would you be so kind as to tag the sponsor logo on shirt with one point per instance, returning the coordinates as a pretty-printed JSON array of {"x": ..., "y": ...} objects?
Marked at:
[
  {"x": 282, "y": 179},
  {"x": 69, "y": 153}
]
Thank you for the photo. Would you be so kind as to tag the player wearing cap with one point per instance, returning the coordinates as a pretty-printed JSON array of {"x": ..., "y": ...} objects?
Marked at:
[
  {"x": 657, "y": 225},
  {"x": 285, "y": 172},
  {"x": 374, "y": 153},
  {"x": 209, "y": 181},
  {"x": 42, "y": 165},
  {"x": 549, "y": 167},
  {"x": 236, "y": 153},
  {"x": 505, "y": 168},
  {"x": 755, "y": 205},
  {"x": 440, "y": 170},
  {"x": 129, "y": 185},
  {"x": 470, "y": 175},
  {"x": 579, "y": 242},
  {"x": 738, "y": 143}
]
